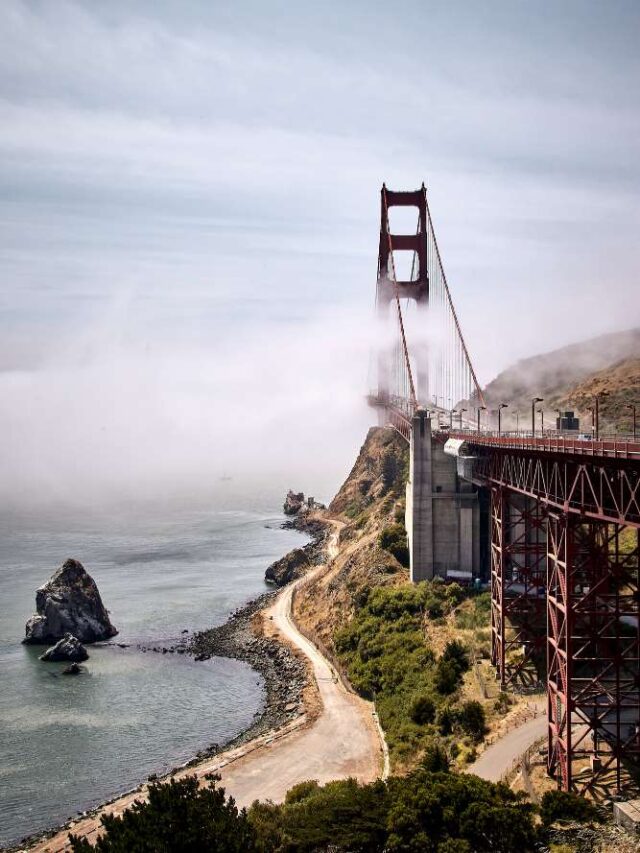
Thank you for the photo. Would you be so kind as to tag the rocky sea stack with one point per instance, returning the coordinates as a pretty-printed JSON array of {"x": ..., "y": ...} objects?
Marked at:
[
  {"x": 69, "y": 603},
  {"x": 293, "y": 503},
  {"x": 68, "y": 648}
]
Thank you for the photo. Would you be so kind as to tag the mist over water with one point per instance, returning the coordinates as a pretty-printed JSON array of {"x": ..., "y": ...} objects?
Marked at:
[{"x": 116, "y": 415}]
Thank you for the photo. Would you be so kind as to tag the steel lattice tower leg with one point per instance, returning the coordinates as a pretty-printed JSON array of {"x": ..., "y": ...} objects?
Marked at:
[
  {"x": 593, "y": 653},
  {"x": 518, "y": 581}
]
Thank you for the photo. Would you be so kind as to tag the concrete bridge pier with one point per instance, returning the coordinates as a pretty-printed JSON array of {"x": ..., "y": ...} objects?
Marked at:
[{"x": 442, "y": 513}]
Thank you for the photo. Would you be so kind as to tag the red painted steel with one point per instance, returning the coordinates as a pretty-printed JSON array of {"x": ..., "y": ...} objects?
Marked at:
[
  {"x": 607, "y": 449},
  {"x": 593, "y": 654},
  {"x": 602, "y": 489},
  {"x": 518, "y": 587}
]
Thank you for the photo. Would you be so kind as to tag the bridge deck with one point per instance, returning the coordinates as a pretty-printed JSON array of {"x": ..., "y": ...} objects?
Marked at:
[{"x": 605, "y": 448}]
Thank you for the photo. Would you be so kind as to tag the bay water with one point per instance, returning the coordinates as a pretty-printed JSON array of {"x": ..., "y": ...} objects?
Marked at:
[{"x": 68, "y": 743}]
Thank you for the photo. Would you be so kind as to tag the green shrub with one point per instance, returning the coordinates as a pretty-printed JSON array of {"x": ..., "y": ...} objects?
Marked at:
[
  {"x": 447, "y": 677},
  {"x": 394, "y": 540},
  {"x": 387, "y": 659},
  {"x": 445, "y": 719},
  {"x": 301, "y": 791},
  {"x": 425, "y": 812},
  {"x": 435, "y": 759},
  {"x": 473, "y": 720},
  {"x": 422, "y": 710},
  {"x": 456, "y": 652},
  {"x": 562, "y": 805},
  {"x": 391, "y": 470},
  {"x": 178, "y": 816}
]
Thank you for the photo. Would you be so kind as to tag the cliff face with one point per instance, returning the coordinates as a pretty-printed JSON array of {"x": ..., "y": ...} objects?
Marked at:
[{"x": 370, "y": 500}]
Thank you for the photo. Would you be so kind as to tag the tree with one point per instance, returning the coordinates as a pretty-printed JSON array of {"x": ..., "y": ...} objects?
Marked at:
[
  {"x": 344, "y": 816},
  {"x": 394, "y": 540},
  {"x": 178, "y": 817},
  {"x": 422, "y": 710},
  {"x": 435, "y": 759},
  {"x": 446, "y": 677},
  {"x": 456, "y": 652},
  {"x": 563, "y": 805},
  {"x": 472, "y": 719}
]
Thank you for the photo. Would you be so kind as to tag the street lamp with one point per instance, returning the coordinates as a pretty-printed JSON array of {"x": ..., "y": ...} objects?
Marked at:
[
  {"x": 534, "y": 400},
  {"x": 451, "y": 414},
  {"x": 598, "y": 397},
  {"x": 500, "y": 408},
  {"x": 541, "y": 413},
  {"x": 632, "y": 406},
  {"x": 480, "y": 408},
  {"x": 460, "y": 411}
]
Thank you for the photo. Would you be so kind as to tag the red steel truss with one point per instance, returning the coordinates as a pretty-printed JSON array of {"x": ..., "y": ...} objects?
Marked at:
[
  {"x": 586, "y": 524},
  {"x": 602, "y": 489},
  {"x": 593, "y": 652},
  {"x": 518, "y": 581}
]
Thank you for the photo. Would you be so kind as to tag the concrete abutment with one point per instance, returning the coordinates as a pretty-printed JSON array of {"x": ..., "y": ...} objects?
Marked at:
[{"x": 442, "y": 511}]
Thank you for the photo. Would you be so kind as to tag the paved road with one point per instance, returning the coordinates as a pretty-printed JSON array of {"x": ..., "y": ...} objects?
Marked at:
[
  {"x": 499, "y": 757},
  {"x": 343, "y": 741}
]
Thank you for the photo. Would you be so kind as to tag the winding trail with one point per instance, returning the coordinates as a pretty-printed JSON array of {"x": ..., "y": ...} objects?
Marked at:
[{"x": 344, "y": 740}]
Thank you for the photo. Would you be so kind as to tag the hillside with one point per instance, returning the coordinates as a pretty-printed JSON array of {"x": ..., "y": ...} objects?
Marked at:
[
  {"x": 408, "y": 647},
  {"x": 569, "y": 377}
]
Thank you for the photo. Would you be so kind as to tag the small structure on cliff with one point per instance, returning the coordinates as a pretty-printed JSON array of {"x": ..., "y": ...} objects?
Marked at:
[{"x": 69, "y": 603}]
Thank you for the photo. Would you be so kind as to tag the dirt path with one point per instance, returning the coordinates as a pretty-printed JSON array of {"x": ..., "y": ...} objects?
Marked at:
[
  {"x": 342, "y": 741},
  {"x": 498, "y": 759}
]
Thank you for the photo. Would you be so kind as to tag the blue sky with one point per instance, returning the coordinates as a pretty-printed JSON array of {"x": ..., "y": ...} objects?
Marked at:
[{"x": 202, "y": 178}]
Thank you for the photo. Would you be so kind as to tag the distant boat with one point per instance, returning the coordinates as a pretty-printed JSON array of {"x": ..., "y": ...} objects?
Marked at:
[{"x": 225, "y": 478}]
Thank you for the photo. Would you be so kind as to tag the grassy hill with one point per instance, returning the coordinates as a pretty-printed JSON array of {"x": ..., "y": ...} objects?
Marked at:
[{"x": 569, "y": 378}]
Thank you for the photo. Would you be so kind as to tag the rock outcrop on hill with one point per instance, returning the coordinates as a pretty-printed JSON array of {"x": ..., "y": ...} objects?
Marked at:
[
  {"x": 291, "y": 567},
  {"x": 69, "y": 603},
  {"x": 293, "y": 503},
  {"x": 68, "y": 648}
]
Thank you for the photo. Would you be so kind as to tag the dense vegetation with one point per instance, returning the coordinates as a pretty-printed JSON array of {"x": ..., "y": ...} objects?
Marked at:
[
  {"x": 179, "y": 817},
  {"x": 416, "y": 691},
  {"x": 429, "y": 812}
]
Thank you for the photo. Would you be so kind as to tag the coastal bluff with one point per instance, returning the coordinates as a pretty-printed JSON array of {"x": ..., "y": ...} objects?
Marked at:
[{"x": 69, "y": 603}]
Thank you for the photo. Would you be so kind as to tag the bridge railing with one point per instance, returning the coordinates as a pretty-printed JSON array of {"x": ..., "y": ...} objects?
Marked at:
[{"x": 614, "y": 448}]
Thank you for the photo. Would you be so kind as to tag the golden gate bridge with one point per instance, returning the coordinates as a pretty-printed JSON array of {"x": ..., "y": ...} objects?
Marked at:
[{"x": 562, "y": 516}]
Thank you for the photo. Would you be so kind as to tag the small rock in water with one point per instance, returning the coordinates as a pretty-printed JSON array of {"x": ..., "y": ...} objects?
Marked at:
[
  {"x": 72, "y": 669},
  {"x": 68, "y": 648}
]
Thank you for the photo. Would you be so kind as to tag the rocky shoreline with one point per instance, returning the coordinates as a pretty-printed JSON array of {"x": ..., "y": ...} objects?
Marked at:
[{"x": 240, "y": 637}]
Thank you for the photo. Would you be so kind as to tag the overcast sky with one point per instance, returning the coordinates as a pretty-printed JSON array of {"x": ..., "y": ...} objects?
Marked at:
[{"x": 206, "y": 174}]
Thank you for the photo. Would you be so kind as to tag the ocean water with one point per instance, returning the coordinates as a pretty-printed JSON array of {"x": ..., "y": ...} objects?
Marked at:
[{"x": 68, "y": 743}]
